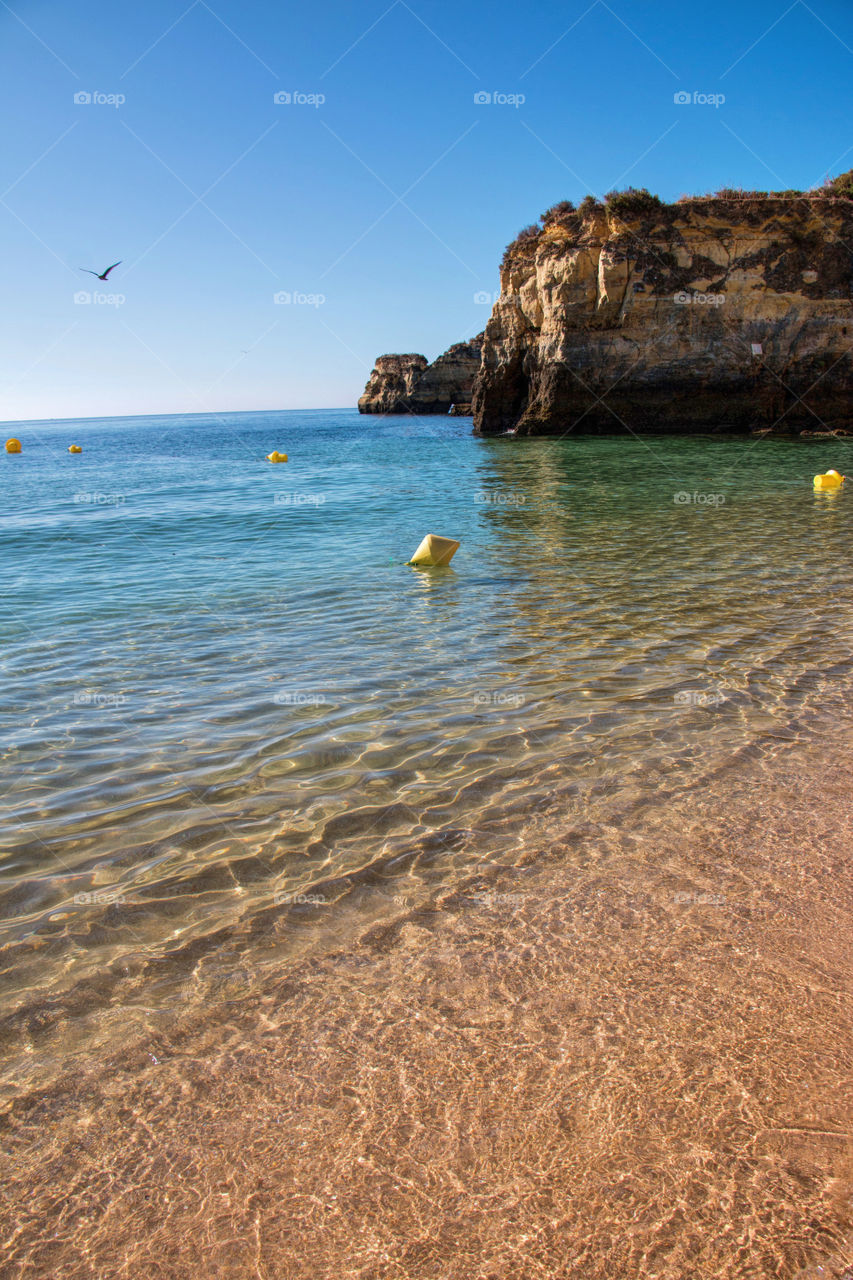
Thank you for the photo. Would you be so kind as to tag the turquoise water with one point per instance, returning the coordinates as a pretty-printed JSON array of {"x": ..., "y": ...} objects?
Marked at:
[{"x": 235, "y": 725}]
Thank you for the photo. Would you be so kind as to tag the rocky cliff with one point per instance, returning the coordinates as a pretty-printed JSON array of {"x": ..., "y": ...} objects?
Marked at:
[
  {"x": 391, "y": 383},
  {"x": 709, "y": 314},
  {"x": 409, "y": 384}
]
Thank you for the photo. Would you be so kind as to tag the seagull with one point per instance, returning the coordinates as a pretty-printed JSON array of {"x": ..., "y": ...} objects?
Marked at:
[{"x": 105, "y": 273}]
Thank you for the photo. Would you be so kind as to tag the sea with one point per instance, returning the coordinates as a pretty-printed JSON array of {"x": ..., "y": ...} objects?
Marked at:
[{"x": 240, "y": 733}]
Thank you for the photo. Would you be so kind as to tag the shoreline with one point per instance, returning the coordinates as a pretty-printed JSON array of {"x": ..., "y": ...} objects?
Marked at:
[{"x": 627, "y": 1057}]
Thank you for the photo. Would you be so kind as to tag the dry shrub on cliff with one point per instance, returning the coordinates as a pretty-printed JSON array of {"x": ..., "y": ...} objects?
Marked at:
[
  {"x": 526, "y": 236},
  {"x": 633, "y": 202},
  {"x": 588, "y": 206},
  {"x": 834, "y": 187},
  {"x": 638, "y": 202},
  {"x": 738, "y": 193},
  {"x": 560, "y": 212}
]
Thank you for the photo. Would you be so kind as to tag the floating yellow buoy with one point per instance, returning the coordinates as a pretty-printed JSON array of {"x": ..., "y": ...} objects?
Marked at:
[
  {"x": 275, "y": 456},
  {"x": 435, "y": 551},
  {"x": 75, "y": 448},
  {"x": 13, "y": 446},
  {"x": 829, "y": 480}
]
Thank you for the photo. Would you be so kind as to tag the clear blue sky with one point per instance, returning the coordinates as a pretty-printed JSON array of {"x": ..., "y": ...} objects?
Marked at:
[{"x": 393, "y": 199}]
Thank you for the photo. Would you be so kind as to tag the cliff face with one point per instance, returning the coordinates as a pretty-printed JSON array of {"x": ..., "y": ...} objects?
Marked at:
[
  {"x": 703, "y": 315},
  {"x": 408, "y": 384},
  {"x": 391, "y": 383}
]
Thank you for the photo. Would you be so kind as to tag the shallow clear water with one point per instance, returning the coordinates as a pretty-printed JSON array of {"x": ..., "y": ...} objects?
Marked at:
[{"x": 236, "y": 726}]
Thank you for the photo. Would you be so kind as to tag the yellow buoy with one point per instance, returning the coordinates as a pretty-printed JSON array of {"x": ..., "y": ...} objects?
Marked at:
[
  {"x": 435, "y": 551},
  {"x": 829, "y": 480},
  {"x": 275, "y": 456},
  {"x": 13, "y": 446},
  {"x": 75, "y": 448}
]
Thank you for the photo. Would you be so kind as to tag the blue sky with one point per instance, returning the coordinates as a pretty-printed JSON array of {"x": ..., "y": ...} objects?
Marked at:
[{"x": 382, "y": 210}]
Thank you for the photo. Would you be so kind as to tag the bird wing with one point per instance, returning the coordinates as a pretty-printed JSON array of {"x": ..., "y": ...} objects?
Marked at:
[
  {"x": 109, "y": 269},
  {"x": 90, "y": 272}
]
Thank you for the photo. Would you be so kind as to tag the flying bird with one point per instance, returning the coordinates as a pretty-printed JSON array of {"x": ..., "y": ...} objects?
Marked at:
[{"x": 104, "y": 275}]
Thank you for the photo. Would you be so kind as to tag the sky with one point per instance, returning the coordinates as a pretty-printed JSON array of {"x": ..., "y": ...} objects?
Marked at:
[{"x": 293, "y": 189}]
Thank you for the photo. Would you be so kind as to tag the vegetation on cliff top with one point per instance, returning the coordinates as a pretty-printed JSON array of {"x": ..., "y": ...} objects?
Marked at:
[{"x": 636, "y": 202}]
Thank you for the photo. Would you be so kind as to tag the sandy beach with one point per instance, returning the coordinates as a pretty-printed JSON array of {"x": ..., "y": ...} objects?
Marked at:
[{"x": 628, "y": 1058}]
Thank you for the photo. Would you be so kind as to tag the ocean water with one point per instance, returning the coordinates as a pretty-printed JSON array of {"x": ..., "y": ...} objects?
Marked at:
[{"x": 237, "y": 729}]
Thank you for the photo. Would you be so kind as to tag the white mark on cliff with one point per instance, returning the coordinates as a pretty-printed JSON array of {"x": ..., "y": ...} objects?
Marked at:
[{"x": 682, "y": 299}]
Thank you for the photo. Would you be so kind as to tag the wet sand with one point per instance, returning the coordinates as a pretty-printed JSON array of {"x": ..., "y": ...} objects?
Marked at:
[{"x": 628, "y": 1058}]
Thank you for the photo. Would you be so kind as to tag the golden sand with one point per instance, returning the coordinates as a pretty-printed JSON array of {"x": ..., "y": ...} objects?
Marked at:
[{"x": 629, "y": 1058}]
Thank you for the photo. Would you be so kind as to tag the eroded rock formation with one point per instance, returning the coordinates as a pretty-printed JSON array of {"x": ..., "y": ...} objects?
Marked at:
[
  {"x": 409, "y": 384},
  {"x": 391, "y": 383},
  {"x": 709, "y": 314}
]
